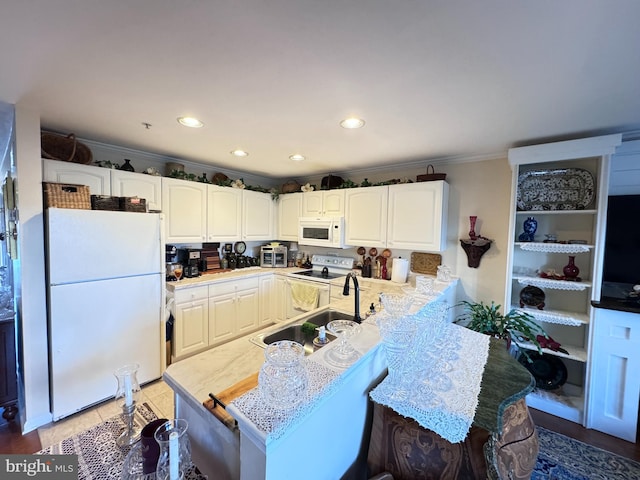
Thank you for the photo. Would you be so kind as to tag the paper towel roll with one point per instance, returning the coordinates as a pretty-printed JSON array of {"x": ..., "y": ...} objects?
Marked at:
[{"x": 399, "y": 270}]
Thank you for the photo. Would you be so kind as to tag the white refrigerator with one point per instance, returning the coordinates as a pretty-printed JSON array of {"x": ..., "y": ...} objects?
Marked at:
[{"x": 105, "y": 274}]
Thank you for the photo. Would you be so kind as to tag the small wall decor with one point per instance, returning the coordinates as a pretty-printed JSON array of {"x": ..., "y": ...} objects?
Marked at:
[{"x": 476, "y": 245}]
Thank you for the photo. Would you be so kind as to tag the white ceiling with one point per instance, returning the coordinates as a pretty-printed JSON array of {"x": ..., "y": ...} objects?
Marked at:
[{"x": 432, "y": 79}]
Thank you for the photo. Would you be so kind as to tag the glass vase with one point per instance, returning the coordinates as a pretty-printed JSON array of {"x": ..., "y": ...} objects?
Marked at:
[
  {"x": 571, "y": 270},
  {"x": 175, "y": 450},
  {"x": 472, "y": 227},
  {"x": 127, "y": 398},
  {"x": 397, "y": 334},
  {"x": 283, "y": 379}
]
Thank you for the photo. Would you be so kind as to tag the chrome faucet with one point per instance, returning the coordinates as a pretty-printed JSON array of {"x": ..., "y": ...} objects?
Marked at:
[{"x": 356, "y": 287}]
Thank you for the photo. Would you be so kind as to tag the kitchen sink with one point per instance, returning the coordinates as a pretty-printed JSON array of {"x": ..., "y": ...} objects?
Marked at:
[{"x": 294, "y": 332}]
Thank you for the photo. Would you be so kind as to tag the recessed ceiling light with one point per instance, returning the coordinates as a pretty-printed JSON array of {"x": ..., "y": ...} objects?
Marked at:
[
  {"x": 297, "y": 157},
  {"x": 352, "y": 123},
  {"x": 239, "y": 153},
  {"x": 190, "y": 122}
]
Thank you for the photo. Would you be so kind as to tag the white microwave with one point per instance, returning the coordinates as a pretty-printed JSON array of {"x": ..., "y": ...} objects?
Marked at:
[{"x": 321, "y": 231}]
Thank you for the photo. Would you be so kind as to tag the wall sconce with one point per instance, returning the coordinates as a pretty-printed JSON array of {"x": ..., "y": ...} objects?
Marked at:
[{"x": 476, "y": 245}]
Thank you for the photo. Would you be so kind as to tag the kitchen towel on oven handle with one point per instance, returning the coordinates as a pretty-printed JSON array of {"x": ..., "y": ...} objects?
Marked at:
[{"x": 305, "y": 297}]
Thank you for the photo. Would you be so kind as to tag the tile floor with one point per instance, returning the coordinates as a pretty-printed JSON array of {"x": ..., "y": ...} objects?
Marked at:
[{"x": 156, "y": 394}]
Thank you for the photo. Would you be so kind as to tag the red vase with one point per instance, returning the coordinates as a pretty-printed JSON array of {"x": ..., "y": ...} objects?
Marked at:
[
  {"x": 472, "y": 228},
  {"x": 571, "y": 270}
]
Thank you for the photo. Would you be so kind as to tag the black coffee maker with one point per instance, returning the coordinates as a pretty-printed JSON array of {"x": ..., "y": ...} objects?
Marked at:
[
  {"x": 232, "y": 259},
  {"x": 190, "y": 260}
]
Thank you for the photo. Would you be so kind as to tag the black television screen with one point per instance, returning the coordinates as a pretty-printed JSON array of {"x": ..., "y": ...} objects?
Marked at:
[{"x": 622, "y": 244}]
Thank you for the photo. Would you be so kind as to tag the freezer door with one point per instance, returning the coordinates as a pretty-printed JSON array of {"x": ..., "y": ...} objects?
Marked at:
[
  {"x": 96, "y": 327},
  {"x": 86, "y": 245}
]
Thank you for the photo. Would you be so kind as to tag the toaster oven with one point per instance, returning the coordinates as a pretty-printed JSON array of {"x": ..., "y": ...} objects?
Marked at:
[{"x": 273, "y": 256}]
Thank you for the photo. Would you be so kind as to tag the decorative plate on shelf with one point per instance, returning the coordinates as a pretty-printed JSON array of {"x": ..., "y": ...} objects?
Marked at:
[
  {"x": 549, "y": 371},
  {"x": 555, "y": 189}
]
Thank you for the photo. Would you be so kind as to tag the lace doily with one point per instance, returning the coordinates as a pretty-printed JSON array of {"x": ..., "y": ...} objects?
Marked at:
[
  {"x": 554, "y": 247},
  {"x": 554, "y": 284},
  {"x": 553, "y": 317},
  {"x": 449, "y": 412},
  {"x": 275, "y": 422}
]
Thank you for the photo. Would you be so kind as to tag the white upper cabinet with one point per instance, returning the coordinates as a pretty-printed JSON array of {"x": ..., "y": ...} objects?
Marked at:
[
  {"x": 289, "y": 210},
  {"x": 98, "y": 179},
  {"x": 258, "y": 214},
  {"x": 417, "y": 216},
  {"x": 185, "y": 207},
  {"x": 129, "y": 184},
  {"x": 106, "y": 181},
  {"x": 366, "y": 216},
  {"x": 224, "y": 214},
  {"x": 323, "y": 203}
]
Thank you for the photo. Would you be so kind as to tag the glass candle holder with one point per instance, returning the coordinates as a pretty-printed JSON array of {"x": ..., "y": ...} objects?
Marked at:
[
  {"x": 127, "y": 397},
  {"x": 175, "y": 450}
]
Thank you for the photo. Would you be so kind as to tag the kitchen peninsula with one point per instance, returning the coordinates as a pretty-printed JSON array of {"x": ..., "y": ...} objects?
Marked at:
[{"x": 327, "y": 438}]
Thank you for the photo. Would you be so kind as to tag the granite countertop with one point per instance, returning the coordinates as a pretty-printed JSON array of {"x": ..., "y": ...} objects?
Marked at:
[{"x": 620, "y": 304}]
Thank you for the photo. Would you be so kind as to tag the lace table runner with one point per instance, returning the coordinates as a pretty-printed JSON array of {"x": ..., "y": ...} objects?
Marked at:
[
  {"x": 448, "y": 412},
  {"x": 275, "y": 422}
]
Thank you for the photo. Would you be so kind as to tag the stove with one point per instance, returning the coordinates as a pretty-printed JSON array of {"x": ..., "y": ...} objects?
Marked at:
[{"x": 326, "y": 268}]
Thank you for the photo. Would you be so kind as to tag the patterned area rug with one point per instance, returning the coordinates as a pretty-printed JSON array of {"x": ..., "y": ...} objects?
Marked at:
[
  {"x": 99, "y": 458},
  {"x": 563, "y": 458}
]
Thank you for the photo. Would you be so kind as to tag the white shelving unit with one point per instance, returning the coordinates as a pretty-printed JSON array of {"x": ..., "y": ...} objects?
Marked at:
[{"x": 567, "y": 313}]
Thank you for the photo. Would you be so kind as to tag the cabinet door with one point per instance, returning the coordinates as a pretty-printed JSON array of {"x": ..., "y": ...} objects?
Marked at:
[
  {"x": 224, "y": 214},
  {"x": 289, "y": 210},
  {"x": 191, "y": 328},
  {"x": 312, "y": 204},
  {"x": 185, "y": 207},
  {"x": 257, "y": 216},
  {"x": 615, "y": 383},
  {"x": 267, "y": 303},
  {"x": 280, "y": 299},
  {"x": 222, "y": 318},
  {"x": 366, "y": 216},
  {"x": 97, "y": 178},
  {"x": 418, "y": 216},
  {"x": 333, "y": 203},
  {"x": 9, "y": 378},
  {"x": 247, "y": 310},
  {"x": 129, "y": 184}
]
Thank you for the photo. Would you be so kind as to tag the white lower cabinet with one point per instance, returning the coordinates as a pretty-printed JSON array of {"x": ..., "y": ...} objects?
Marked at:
[
  {"x": 615, "y": 383},
  {"x": 233, "y": 309},
  {"x": 267, "y": 303},
  {"x": 191, "y": 323}
]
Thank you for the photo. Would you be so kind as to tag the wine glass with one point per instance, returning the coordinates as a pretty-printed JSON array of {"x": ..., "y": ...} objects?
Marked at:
[{"x": 177, "y": 271}]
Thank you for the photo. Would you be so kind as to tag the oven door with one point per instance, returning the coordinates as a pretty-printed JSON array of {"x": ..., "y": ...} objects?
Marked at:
[{"x": 295, "y": 289}]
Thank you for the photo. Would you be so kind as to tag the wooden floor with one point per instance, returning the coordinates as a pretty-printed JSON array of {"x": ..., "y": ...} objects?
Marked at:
[
  {"x": 592, "y": 437},
  {"x": 11, "y": 441}
]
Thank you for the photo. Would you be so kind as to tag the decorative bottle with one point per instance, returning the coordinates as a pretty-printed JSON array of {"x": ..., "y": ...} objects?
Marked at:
[
  {"x": 127, "y": 166},
  {"x": 472, "y": 228},
  {"x": 571, "y": 270}
]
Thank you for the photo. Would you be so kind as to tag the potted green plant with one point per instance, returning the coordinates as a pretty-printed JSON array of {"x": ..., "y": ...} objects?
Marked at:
[{"x": 513, "y": 327}]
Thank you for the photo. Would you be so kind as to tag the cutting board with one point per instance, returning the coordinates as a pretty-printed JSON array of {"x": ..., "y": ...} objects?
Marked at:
[
  {"x": 228, "y": 395},
  {"x": 425, "y": 263}
]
